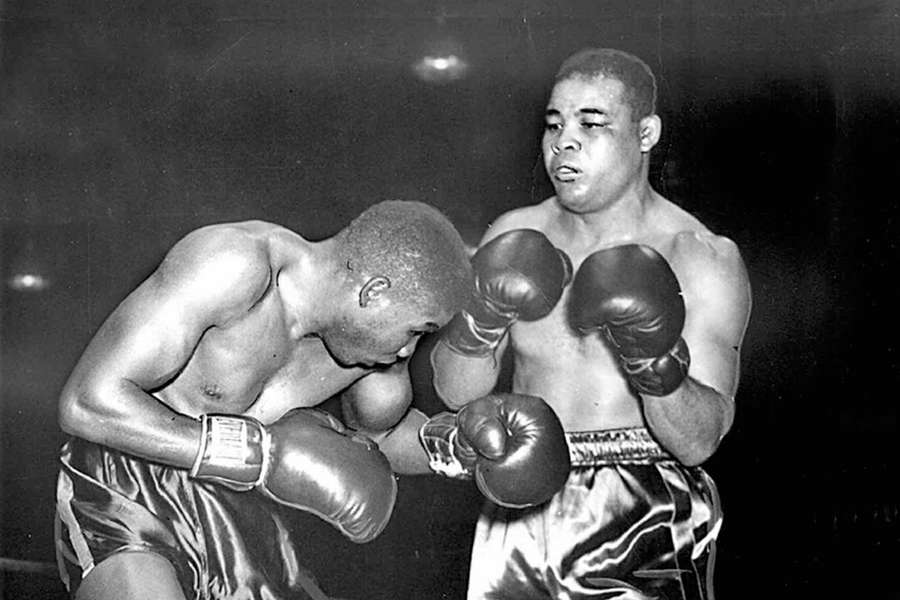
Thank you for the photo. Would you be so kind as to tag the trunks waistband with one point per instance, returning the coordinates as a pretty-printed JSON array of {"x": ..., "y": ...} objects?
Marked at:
[{"x": 614, "y": 446}]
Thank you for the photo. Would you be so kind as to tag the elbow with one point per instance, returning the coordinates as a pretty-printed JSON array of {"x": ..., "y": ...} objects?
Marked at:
[
  {"x": 74, "y": 414},
  {"x": 696, "y": 455},
  {"x": 69, "y": 414},
  {"x": 704, "y": 439},
  {"x": 698, "y": 450}
]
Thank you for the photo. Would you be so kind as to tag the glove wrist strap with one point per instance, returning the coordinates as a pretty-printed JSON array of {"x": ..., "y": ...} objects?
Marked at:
[
  {"x": 659, "y": 375},
  {"x": 465, "y": 335},
  {"x": 232, "y": 451},
  {"x": 439, "y": 438}
]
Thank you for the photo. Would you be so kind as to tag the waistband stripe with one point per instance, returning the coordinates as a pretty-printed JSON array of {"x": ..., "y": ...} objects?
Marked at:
[{"x": 614, "y": 446}]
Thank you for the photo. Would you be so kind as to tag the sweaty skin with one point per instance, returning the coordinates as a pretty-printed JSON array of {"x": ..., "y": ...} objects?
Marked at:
[
  {"x": 245, "y": 319},
  {"x": 597, "y": 158},
  {"x": 229, "y": 323}
]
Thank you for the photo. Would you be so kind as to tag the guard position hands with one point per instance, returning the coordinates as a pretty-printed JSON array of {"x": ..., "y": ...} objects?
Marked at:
[
  {"x": 519, "y": 275},
  {"x": 631, "y": 296}
]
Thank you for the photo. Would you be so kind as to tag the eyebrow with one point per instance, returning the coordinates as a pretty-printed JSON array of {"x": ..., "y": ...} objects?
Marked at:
[{"x": 552, "y": 112}]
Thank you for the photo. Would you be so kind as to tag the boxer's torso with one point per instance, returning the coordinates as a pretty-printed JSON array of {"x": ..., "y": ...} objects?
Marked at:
[
  {"x": 264, "y": 362},
  {"x": 579, "y": 375}
]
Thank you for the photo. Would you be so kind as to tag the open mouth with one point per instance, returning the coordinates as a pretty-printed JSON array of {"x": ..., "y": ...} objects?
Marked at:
[{"x": 566, "y": 173}]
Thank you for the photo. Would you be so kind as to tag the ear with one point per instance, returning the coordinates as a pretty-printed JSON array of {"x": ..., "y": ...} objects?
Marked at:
[
  {"x": 650, "y": 130},
  {"x": 372, "y": 289}
]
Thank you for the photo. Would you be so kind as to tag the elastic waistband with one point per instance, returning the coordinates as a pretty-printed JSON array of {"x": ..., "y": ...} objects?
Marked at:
[{"x": 614, "y": 446}]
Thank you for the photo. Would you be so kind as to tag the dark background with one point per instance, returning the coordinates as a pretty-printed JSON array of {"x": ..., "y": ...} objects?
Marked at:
[{"x": 123, "y": 125}]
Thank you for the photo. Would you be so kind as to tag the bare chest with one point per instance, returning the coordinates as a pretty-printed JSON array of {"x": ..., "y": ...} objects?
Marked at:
[
  {"x": 576, "y": 374},
  {"x": 257, "y": 366}
]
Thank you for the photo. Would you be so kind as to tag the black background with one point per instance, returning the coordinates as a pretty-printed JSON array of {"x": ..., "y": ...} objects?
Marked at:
[{"x": 123, "y": 125}]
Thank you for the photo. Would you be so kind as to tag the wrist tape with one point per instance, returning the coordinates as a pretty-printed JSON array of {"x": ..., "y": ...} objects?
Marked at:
[
  {"x": 232, "y": 451},
  {"x": 465, "y": 335},
  {"x": 658, "y": 375},
  {"x": 439, "y": 438}
]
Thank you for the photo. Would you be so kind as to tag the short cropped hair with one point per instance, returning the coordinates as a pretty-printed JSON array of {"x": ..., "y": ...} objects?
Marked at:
[
  {"x": 635, "y": 75},
  {"x": 416, "y": 247}
]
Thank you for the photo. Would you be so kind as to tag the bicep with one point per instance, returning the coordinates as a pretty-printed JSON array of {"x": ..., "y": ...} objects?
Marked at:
[
  {"x": 152, "y": 334},
  {"x": 137, "y": 349},
  {"x": 717, "y": 298},
  {"x": 148, "y": 338}
]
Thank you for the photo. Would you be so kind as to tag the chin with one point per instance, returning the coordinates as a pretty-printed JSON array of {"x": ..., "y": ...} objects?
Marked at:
[{"x": 571, "y": 201}]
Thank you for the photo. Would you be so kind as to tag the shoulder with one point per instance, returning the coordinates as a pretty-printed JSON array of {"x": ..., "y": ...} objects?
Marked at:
[
  {"x": 689, "y": 244},
  {"x": 223, "y": 236},
  {"x": 223, "y": 257},
  {"x": 711, "y": 271},
  {"x": 535, "y": 216},
  {"x": 701, "y": 250}
]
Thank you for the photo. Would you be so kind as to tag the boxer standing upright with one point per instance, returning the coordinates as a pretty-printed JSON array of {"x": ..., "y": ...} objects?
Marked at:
[{"x": 639, "y": 359}]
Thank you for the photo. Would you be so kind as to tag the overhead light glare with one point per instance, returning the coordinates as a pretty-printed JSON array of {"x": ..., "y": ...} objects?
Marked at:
[
  {"x": 28, "y": 282},
  {"x": 440, "y": 68}
]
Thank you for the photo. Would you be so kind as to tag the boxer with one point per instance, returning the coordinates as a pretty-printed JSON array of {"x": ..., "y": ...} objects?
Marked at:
[
  {"x": 193, "y": 410},
  {"x": 639, "y": 358}
]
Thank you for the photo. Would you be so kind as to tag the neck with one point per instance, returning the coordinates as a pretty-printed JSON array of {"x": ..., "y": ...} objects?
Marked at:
[
  {"x": 312, "y": 286},
  {"x": 615, "y": 222}
]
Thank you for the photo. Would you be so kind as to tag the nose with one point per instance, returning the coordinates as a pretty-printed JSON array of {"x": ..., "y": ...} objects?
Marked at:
[{"x": 566, "y": 140}]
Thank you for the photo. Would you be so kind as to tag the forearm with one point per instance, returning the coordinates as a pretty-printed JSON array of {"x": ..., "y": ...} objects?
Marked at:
[
  {"x": 519, "y": 277},
  {"x": 125, "y": 418},
  {"x": 402, "y": 446},
  {"x": 512, "y": 445},
  {"x": 459, "y": 379},
  {"x": 691, "y": 421}
]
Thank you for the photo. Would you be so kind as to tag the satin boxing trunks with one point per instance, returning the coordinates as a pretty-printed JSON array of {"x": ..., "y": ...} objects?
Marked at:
[
  {"x": 222, "y": 544},
  {"x": 630, "y": 523}
]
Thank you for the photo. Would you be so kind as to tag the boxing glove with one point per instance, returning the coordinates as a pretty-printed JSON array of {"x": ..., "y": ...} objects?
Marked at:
[
  {"x": 306, "y": 460},
  {"x": 512, "y": 444},
  {"x": 518, "y": 275},
  {"x": 631, "y": 296}
]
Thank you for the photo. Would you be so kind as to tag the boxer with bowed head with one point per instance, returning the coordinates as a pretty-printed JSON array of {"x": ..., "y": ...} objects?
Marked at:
[
  {"x": 639, "y": 358},
  {"x": 192, "y": 410}
]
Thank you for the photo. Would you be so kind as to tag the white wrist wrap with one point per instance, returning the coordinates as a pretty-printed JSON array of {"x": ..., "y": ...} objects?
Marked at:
[
  {"x": 438, "y": 437},
  {"x": 489, "y": 337}
]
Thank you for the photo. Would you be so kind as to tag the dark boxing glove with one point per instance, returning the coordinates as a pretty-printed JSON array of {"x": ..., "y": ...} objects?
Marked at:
[
  {"x": 630, "y": 294},
  {"x": 513, "y": 445},
  {"x": 518, "y": 275},
  {"x": 306, "y": 460}
]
